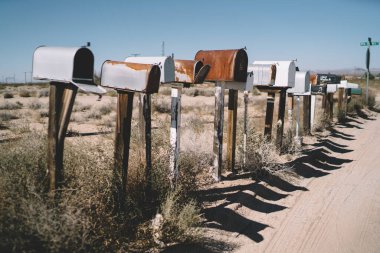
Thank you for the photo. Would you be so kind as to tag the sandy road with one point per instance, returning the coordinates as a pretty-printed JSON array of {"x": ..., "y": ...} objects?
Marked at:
[{"x": 341, "y": 211}]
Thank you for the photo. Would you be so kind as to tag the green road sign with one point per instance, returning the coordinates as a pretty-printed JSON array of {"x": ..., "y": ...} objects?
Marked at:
[{"x": 375, "y": 43}]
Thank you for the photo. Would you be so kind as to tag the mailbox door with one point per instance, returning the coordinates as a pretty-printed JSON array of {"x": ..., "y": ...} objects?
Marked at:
[
  {"x": 331, "y": 88},
  {"x": 318, "y": 89},
  {"x": 302, "y": 83},
  {"x": 166, "y": 65},
  {"x": 226, "y": 65},
  {"x": 262, "y": 74}
]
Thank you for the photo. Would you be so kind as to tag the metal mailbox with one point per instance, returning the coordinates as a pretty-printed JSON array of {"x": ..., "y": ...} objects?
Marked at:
[
  {"x": 189, "y": 71},
  {"x": 356, "y": 91},
  {"x": 285, "y": 73},
  {"x": 68, "y": 65},
  {"x": 331, "y": 88},
  {"x": 166, "y": 64},
  {"x": 131, "y": 76},
  {"x": 328, "y": 79},
  {"x": 261, "y": 74},
  {"x": 226, "y": 65},
  {"x": 302, "y": 84},
  {"x": 318, "y": 89},
  {"x": 345, "y": 84}
]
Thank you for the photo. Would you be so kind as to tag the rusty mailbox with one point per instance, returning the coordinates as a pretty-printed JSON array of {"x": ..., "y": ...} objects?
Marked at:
[
  {"x": 166, "y": 64},
  {"x": 66, "y": 64},
  {"x": 136, "y": 77},
  {"x": 302, "y": 84},
  {"x": 229, "y": 66},
  {"x": 190, "y": 71},
  {"x": 278, "y": 74}
]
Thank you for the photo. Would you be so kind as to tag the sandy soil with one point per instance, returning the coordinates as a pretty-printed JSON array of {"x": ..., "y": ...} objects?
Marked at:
[{"x": 333, "y": 207}]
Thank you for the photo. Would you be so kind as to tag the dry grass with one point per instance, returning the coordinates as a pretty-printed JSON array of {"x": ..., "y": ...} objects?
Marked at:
[
  {"x": 11, "y": 106},
  {"x": 8, "y": 95},
  {"x": 25, "y": 93}
]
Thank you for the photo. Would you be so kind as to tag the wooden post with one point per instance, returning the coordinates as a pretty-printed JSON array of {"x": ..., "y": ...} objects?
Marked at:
[
  {"x": 306, "y": 114},
  {"x": 245, "y": 130},
  {"x": 290, "y": 112},
  {"x": 61, "y": 102},
  {"x": 145, "y": 132},
  {"x": 340, "y": 99},
  {"x": 122, "y": 141},
  {"x": 175, "y": 134},
  {"x": 331, "y": 112},
  {"x": 231, "y": 137},
  {"x": 345, "y": 101},
  {"x": 281, "y": 116},
  {"x": 312, "y": 110},
  {"x": 218, "y": 131},
  {"x": 269, "y": 116},
  {"x": 298, "y": 139}
]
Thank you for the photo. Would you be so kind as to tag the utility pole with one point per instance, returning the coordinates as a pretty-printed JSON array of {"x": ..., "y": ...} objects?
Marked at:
[
  {"x": 25, "y": 76},
  {"x": 368, "y": 56},
  {"x": 163, "y": 49}
]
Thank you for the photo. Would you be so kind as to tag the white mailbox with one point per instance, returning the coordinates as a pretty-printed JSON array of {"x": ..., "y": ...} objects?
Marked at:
[
  {"x": 302, "y": 84},
  {"x": 285, "y": 73},
  {"x": 130, "y": 76},
  {"x": 331, "y": 88},
  {"x": 166, "y": 64},
  {"x": 68, "y": 65}
]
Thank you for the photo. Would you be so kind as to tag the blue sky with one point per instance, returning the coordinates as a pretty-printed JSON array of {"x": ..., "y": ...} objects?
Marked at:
[{"x": 319, "y": 34}]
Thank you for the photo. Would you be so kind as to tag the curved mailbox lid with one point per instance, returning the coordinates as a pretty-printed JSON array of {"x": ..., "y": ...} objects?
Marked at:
[
  {"x": 285, "y": 72},
  {"x": 130, "y": 76},
  {"x": 66, "y": 64},
  {"x": 166, "y": 64},
  {"x": 302, "y": 83},
  {"x": 226, "y": 65},
  {"x": 262, "y": 74},
  {"x": 190, "y": 71}
]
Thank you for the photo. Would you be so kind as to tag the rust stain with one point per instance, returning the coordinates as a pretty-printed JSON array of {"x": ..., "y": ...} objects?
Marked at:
[
  {"x": 226, "y": 65},
  {"x": 135, "y": 66},
  {"x": 313, "y": 79}
]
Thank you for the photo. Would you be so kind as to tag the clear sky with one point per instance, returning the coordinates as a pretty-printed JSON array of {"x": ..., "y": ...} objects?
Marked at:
[{"x": 320, "y": 34}]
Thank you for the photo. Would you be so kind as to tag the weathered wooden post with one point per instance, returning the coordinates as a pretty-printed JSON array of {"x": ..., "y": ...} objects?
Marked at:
[
  {"x": 231, "y": 129},
  {"x": 306, "y": 114},
  {"x": 290, "y": 111},
  {"x": 228, "y": 70},
  {"x": 68, "y": 68},
  {"x": 186, "y": 72},
  {"x": 301, "y": 88},
  {"x": 340, "y": 99},
  {"x": 127, "y": 78},
  {"x": 331, "y": 89},
  {"x": 166, "y": 64},
  {"x": 274, "y": 76},
  {"x": 245, "y": 128}
]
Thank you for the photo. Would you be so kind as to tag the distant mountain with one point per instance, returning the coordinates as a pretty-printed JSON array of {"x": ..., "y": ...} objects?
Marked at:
[{"x": 349, "y": 71}]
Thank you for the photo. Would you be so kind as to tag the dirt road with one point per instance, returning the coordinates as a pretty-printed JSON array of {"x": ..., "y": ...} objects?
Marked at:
[{"x": 340, "y": 212}]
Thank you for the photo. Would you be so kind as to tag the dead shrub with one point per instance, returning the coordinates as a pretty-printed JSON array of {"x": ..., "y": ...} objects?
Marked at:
[
  {"x": 8, "y": 95},
  {"x": 322, "y": 121},
  {"x": 26, "y": 93},
  {"x": 11, "y": 106}
]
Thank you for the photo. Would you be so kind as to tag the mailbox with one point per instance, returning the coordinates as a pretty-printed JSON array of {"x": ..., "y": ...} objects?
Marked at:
[
  {"x": 262, "y": 74},
  {"x": 68, "y": 65},
  {"x": 302, "y": 84},
  {"x": 131, "y": 76},
  {"x": 345, "y": 84},
  {"x": 165, "y": 63},
  {"x": 285, "y": 73},
  {"x": 328, "y": 79},
  {"x": 331, "y": 88},
  {"x": 356, "y": 91},
  {"x": 226, "y": 65},
  {"x": 189, "y": 71},
  {"x": 318, "y": 89}
]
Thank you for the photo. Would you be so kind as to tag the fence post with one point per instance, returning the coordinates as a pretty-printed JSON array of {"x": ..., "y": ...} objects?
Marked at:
[{"x": 306, "y": 114}]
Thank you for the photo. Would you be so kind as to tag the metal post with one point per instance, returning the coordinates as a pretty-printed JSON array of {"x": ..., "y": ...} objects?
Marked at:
[
  {"x": 122, "y": 141},
  {"x": 312, "y": 110},
  {"x": 231, "y": 133},
  {"x": 61, "y": 102},
  {"x": 269, "y": 116},
  {"x": 298, "y": 112},
  {"x": 218, "y": 131},
  {"x": 175, "y": 134},
  {"x": 366, "y": 87},
  {"x": 245, "y": 128}
]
